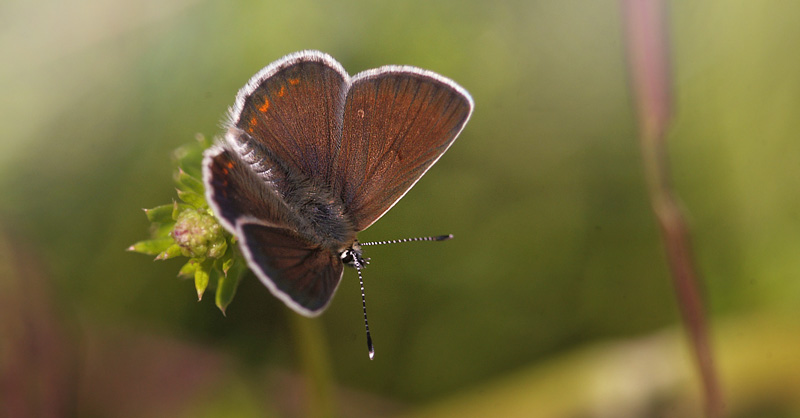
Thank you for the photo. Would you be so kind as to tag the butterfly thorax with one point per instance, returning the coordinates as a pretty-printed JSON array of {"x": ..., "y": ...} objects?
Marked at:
[
  {"x": 323, "y": 220},
  {"x": 310, "y": 207}
]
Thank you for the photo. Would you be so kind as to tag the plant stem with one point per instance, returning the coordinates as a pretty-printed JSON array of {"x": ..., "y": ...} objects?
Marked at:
[
  {"x": 648, "y": 61},
  {"x": 313, "y": 359}
]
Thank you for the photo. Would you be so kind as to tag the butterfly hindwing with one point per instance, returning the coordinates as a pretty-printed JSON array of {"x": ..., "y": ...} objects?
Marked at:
[{"x": 301, "y": 273}]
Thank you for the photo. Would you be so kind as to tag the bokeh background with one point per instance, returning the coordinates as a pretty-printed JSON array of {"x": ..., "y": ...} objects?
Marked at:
[{"x": 554, "y": 299}]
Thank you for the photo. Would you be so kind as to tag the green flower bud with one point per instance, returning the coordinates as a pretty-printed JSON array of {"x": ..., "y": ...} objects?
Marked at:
[{"x": 199, "y": 235}]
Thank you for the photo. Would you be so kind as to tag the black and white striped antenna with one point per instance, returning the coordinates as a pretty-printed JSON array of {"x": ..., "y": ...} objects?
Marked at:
[
  {"x": 359, "y": 266},
  {"x": 399, "y": 241}
]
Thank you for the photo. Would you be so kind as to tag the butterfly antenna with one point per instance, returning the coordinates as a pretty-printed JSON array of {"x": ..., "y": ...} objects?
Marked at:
[
  {"x": 398, "y": 241},
  {"x": 364, "y": 306},
  {"x": 358, "y": 265}
]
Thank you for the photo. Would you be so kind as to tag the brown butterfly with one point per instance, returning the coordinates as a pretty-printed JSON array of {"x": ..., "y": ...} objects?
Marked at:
[{"x": 313, "y": 156}]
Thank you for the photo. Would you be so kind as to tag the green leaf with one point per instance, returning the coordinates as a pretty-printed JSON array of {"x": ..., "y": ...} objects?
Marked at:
[
  {"x": 192, "y": 198},
  {"x": 152, "y": 246},
  {"x": 190, "y": 156},
  {"x": 172, "y": 251},
  {"x": 228, "y": 283},
  {"x": 162, "y": 230},
  {"x": 189, "y": 268},
  {"x": 201, "y": 277},
  {"x": 190, "y": 183},
  {"x": 226, "y": 265},
  {"x": 218, "y": 249},
  {"x": 159, "y": 214},
  {"x": 177, "y": 208}
]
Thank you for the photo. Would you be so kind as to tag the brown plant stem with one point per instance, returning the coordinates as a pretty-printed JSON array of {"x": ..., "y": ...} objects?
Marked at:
[{"x": 648, "y": 62}]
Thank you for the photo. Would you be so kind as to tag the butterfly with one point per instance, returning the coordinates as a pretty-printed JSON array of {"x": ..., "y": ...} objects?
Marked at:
[{"x": 311, "y": 156}]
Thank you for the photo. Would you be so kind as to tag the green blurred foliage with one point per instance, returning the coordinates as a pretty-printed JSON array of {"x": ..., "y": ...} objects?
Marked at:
[{"x": 555, "y": 247}]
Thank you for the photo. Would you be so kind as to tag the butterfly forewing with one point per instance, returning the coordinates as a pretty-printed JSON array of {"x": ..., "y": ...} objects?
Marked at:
[
  {"x": 301, "y": 273},
  {"x": 397, "y": 122},
  {"x": 294, "y": 108}
]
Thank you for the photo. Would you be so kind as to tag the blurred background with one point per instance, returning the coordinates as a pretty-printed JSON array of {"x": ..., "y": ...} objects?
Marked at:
[{"x": 554, "y": 299}]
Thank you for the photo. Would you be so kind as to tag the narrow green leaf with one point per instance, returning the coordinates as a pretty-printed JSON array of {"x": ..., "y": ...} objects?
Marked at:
[
  {"x": 190, "y": 156},
  {"x": 152, "y": 246},
  {"x": 159, "y": 214},
  {"x": 172, "y": 251},
  {"x": 189, "y": 268},
  {"x": 218, "y": 249},
  {"x": 190, "y": 183},
  {"x": 192, "y": 198},
  {"x": 177, "y": 208},
  {"x": 228, "y": 283},
  {"x": 162, "y": 230},
  {"x": 201, "y": 276},
  {"x": 226, "y": 265}
]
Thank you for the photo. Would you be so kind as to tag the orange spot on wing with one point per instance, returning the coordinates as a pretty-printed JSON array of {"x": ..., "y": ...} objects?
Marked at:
[
  {"x": 282, "y": 92},
  {"x": 262, "y": 109},
  {"x": 230, "y": 164},
  {"x": 294, "y": 81}
]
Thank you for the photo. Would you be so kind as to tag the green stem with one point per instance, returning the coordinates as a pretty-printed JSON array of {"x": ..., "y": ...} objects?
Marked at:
[{"x": 311, "y": 348}]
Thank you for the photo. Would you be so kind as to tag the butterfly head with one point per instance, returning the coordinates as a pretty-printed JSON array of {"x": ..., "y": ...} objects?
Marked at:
[{"x": 352, "y": 256}]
